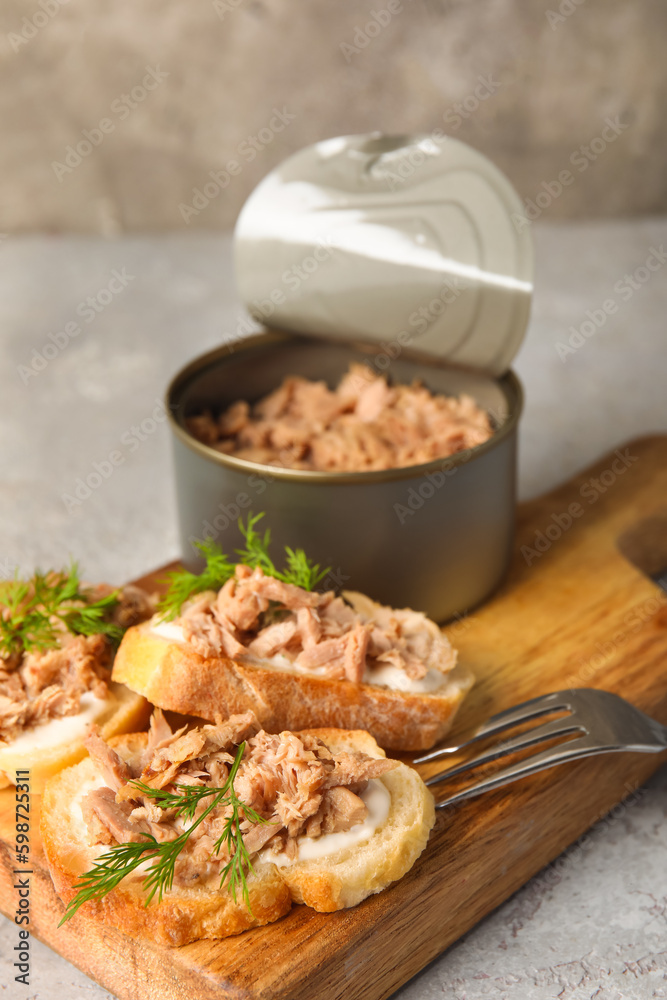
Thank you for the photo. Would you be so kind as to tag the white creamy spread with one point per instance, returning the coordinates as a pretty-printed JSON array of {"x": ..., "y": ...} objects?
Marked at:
[
  {"x": 167, "y": 630},
  {"x": 79, "y": 827},
  {"x": 387, "y": 676},
  {"x": 393, "y": 677},
  {"x": 377, "y": 800},
  {"x": 281, "y": 662},
  {"x": 65, "y": 728}
]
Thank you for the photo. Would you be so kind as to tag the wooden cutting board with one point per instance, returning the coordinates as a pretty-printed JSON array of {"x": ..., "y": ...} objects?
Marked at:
[{"x": 574, "y": 612}]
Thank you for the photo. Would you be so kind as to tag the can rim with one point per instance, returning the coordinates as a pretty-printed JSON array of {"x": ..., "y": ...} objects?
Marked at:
[{"x": 508, "y": 382}]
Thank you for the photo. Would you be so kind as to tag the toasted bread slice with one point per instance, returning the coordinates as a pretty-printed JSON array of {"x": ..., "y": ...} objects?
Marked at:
[
  {"x": 45, "y": 750},
  {"x": 172, "y": 675},
  {"x": 332, "y": 882}
]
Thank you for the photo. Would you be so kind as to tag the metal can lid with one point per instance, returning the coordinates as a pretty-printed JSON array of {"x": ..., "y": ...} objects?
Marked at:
[{"x": 397, "y": 240}]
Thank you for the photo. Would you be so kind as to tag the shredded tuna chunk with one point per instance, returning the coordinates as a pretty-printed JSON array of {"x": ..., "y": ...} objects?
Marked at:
[
  {"x": 112, "y": 816},
  {"x": 363, "y": 424},
  {"x": 341, "y": 809},
  {"x": 353, "y": 768},
  {"x": 274, "y": 637},
  {"x": 50, "y": 684},
  {"x": 294, "y": 782},
  {"x": 257, "y": 618},
  {"x": 168, "y": 756},
  {"x": 115, "y": 770},
  {"x": 38, "y": 686},
  {"x": 159, "y": 733}
]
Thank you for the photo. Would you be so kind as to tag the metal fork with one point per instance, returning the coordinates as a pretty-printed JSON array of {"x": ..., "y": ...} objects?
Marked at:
[{"x": 605, "y": 723}]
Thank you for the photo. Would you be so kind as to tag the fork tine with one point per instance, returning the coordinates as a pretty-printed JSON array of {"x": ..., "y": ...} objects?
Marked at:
[
  {"x": 550, "y": 730},
  {"x": 574, "y": 750},
  {"x": 527, "y": 710}
]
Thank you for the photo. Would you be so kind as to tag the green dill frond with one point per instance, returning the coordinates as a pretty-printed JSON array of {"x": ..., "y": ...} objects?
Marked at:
[
  {"x": 108, "y": 870},
  {"x": 256, "y": 551},
  {"x": 30, "y": 611},
  {"x": 183, "y": 585},
  {"x": 184, "y": 801},
  {"x": 235, "y": 872},
  {"x": 92, "y": 619},
  {"x": 301, "y": 571},
  {"x": 122, "y": 859}
]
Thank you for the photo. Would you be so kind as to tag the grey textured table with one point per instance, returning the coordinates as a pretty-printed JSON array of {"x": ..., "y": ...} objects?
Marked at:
[{"x": 594, "y": 924}]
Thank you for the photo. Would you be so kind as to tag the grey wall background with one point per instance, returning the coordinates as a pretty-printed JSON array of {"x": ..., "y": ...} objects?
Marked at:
[{"x": 528, "y": 82}]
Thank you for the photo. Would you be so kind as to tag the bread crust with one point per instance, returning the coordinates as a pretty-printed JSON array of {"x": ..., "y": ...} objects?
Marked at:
[
  {"x": 127, "y": 711},
  {"x": 345, "y": 879},
  {"x": 183, "y": 915},
  {"x": 174, "y": 676}
]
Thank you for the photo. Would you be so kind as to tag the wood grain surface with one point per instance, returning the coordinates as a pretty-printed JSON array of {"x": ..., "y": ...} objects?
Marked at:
[{"x": 574, "y": 612}]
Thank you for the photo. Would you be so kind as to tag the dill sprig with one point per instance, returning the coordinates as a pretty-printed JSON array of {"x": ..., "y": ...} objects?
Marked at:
[
  {"x": 239, "y": 865},
  {"x": 113, "y": 866},
  {"x": 301, "y": 571},
  {"x": 92, "y": 619},
  {"x": 256, "y": 551},
  {"x": 183, "y": 585},
  {"x": 31, "y": 610}
]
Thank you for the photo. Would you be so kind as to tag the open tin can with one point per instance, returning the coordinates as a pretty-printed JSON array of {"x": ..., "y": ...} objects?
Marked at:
[{"x": 400, "y": 253}]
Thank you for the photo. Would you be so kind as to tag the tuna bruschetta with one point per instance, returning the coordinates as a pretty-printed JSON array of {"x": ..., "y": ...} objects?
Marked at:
[
  {"x": 205, "y": 832},
  {"x": 57, "y": 642},
  {"x": 250, "y": 638}
]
